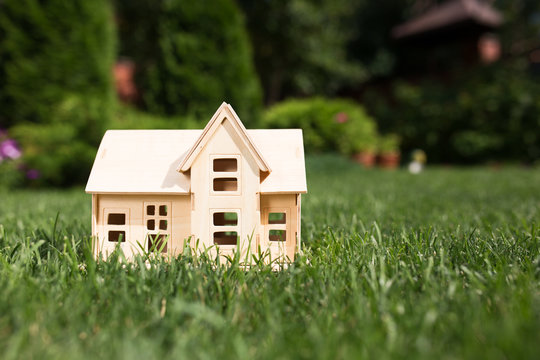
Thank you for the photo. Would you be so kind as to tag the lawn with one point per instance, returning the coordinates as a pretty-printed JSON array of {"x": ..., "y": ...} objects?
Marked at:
[{"x": 444, "y": 264}]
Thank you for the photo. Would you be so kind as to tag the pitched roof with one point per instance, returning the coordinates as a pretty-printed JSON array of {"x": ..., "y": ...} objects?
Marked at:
[
  {"x": 225, "y": 111},
  {"x": 448, "y": 13},
  {"x": 146, "y": 161}
]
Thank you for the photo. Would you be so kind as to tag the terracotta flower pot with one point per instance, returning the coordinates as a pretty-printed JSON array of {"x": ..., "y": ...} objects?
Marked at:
[
  {"x": 389, "y": 160},
  {"x": 365, "y": 158}
]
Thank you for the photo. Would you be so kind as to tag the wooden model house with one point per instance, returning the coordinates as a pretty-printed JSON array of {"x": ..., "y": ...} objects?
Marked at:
[{"x": 223, "y": 188}]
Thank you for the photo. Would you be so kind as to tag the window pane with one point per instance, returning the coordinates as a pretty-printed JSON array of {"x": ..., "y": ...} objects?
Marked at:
[
  {"x": 162, "y": 224},
  {"x": 225, "y": 238},
  {"x": 225, "y": 218},
  {"x": 163, "y": 210},
  {"x": 116, "y": 219},
  {"x": 151, "y": 224},
  {"x": 277, "y": 218},
  {"x": 225, "y": 165},
  {"x": 157, "y": 243},
  {"x": 277, "y": 235},
  {"x": 150, "y": 210},
  {"x": 225, "y": 184},
  {"x": 116, "y": 236}
]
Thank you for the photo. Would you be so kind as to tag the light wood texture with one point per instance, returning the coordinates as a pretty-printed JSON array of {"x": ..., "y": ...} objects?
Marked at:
[
  {"x": 281, "y": 203},
  {"x": 134, "y": 206}
]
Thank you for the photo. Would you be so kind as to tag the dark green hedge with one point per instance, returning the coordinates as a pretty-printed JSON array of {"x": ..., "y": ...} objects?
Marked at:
[
  {"x": 190, "y": 56},
  {"x": 56, "y": 91}
]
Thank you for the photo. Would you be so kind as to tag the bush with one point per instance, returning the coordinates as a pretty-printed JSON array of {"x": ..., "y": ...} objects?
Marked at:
[
  {"x": 191, "y": 56},
  {"x": 490, "y": 113},
  {"x": 56, "y": 66},
  {"x": 328, "y": 125}
]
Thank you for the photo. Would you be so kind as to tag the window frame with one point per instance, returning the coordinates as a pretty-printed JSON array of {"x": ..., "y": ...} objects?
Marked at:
[
  {"x": 114, "y": 227},
  {"x": 157, "y": 218},
  {"x": 273, "y": 226},
  {"x": 225, "y": 174}
]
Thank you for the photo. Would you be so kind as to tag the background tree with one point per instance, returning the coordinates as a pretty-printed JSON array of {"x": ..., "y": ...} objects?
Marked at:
[
  {"x": 190, "y": 56},
  {"x": 300, "y": 46},
  {"x": 56, "y": 89}
]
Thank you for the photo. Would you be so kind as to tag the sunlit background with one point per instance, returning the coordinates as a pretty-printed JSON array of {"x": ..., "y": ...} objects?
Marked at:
[{"x": 385, "y": 83}]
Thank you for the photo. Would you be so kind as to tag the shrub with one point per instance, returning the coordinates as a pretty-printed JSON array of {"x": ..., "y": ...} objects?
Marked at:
[
  {"x": 56, "y": 66},
  {"x": 192, "y": 56},
  {"x": 489, "y": 113},
  {"x": 328, "y": 125}
]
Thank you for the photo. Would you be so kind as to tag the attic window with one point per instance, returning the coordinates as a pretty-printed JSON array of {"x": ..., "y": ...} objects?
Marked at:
[
  {"x": 225, "y": 184},
  {"x": 225, "y": 165}
]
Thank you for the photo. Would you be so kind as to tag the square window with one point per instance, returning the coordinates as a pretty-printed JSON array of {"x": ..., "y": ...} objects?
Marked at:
[
  {"x": 225, "y": 184},
  {"x": 277, "y": 235},
  {"x": 117, "y": 236},
  {"x": 151, "y": 224},
  {"x": 225, "y": 237},
  {"x": 225, "y": 165},
  {"x": 116, "y": 219},
  {"x": 225, "y": 218},
  {"x": 150, "y": 210},
  {"x": 277, "y": 218},
  {"x": 162, "y": 224},
  {"x": 163, "y": 210}
]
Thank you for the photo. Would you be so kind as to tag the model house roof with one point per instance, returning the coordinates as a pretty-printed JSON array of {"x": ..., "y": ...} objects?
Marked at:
[
  {"x": 225, "y": 111},
  {"x": 449, "y": 13},
  {"x": 147, "y": 161}
]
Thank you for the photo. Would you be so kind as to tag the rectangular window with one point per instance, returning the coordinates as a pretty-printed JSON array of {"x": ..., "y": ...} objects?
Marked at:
[
  {"x": 225, "y": 184},
  {"x": 150, "y": 210},
  {"x": 225, "y": 218},
  {"x": 225, "y": 237},
  {"x": 117, "y": 236},
  {"x": 151, "y": 224},
  {"x": 277, "y": 235},
  {"x": 116, "y": 219},
  {"x": 225, "y": 165},
  {"x": 277, "y": 218},
  {"x": 163, "y": 210},
  {"x": 162, "y": 224}
]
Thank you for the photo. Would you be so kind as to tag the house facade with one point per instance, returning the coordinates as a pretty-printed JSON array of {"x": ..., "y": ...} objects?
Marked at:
[{"x": 223, "y": 189}]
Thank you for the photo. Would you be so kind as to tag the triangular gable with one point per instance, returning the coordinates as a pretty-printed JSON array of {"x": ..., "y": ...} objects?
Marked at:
[{"x": 225, "y": 111}]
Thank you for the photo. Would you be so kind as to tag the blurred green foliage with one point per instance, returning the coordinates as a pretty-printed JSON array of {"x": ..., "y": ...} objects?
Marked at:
[
  {"x": 190, "y": 56},
  {"x": 489, "y": 113},
  {"x": 300, "y": 46},
  {"x": 328, "y": 125},
  {"x": 56, "y": 91}
]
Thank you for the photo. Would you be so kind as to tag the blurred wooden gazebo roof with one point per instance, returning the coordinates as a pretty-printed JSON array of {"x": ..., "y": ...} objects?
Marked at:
[{"x": 449, "y": 14}]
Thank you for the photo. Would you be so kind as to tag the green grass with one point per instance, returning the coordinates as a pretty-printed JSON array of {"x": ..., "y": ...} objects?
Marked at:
[{"x": 445, "y": 264}]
